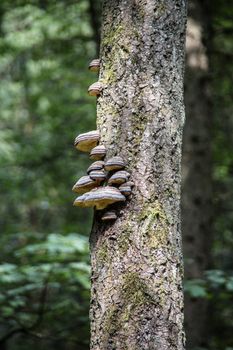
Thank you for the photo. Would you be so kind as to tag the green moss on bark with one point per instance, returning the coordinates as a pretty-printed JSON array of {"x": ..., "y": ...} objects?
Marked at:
[
  {"x": 124, "y": 239},
  {"x": 103, "y": 253},
  {"x": 117, "y": 49},
  {"x": 134, "y": 290},
  {"x": 154, "y": 224},
  {"x": 134, "y": 297},
  {"x": 112, "y": 35}
]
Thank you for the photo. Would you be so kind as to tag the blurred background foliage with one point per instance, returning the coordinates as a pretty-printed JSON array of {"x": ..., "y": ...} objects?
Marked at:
[
  {"x": 44, "y": 286},
  {"x": 220, "y": 278},
  {"x": 45, "y": 48}
]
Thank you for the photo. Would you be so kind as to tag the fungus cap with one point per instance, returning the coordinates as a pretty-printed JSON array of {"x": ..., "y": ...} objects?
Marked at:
[
  {"x": 98, "y": 165},
  {"x": 126, "y": 173},
  {"x": 103, "y": 196},
  {"x": 94, "y": 65},
  {"x": 98, "y": 152},
  {"x": 97, "y": 175},
  {"x": 95, "y": 89},
  {"x": 84, "y": 184},
  {"x": 118, "y": 177},
  {"x": 109, "y": 215},
  {"x": 114, "y": 163},
  {"x": 80, "y": 201},
  {"x": 130, "y": 183},
  {"x": 85, "y": 142},
  {"x": 125, "y": 189}
]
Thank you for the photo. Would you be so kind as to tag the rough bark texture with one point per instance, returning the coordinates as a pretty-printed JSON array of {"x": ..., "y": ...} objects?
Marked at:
[
  {"x": 137, "y": 299},
  {"x": 196, "y": 186}
]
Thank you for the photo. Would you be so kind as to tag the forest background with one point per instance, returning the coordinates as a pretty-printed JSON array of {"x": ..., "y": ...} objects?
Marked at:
[{"x": 45, "y": 48}]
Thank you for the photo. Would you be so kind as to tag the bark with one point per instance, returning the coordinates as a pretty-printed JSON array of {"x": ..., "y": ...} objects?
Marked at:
[
  {"x": 137, "y": 298},
  {"x": 196, "y": 186}
]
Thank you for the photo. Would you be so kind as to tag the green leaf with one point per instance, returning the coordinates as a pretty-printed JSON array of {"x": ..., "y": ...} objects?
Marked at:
[
  {"x": 196, "y": 288},
  {"x": 229, "y": 284},
  {"x": 216, "y": 277}
]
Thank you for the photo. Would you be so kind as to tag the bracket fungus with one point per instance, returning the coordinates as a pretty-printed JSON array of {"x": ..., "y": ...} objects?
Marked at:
[
  {"x": 92, "y": 187},
  {"x": 79, "y": 201},
  {"x": 130, "y": 183},
  {"x": 98, "y": 175},
  {"x": 85, "y": 142},
  {"x": 84, "y": 184},
  {"x": 100, "y": 197},
  {"x": 126, "y": 188},
  {"x": 114, "y": 163},
  {"x": 94, "y": 65},
  {"x": 98, "y": 152},
  {"x": 109, "y": 215},
  {"x": 98, "y": 165},
  {"x": 119, "y": 178},
  {"x": 95, "y": 89}
]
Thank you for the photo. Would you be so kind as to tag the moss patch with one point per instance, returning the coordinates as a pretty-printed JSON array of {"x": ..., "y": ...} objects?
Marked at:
[
  {"x": 124, "y": 239},
  {"x": 134, "y": 298},
  {"x": 161, "y": 9},
  {"x": 154, "y": 224},
  {"x": 103, "y": 253},
  {"x": 134, "y": 290},
  {"x": 112, "y": 35},
  {"x": 116, "y": 45}
]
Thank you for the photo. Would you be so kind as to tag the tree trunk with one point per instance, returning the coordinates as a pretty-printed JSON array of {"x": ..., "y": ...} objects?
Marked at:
[
  {"x": 196, "y": 186},
  {"x": 137, "y": 298}
]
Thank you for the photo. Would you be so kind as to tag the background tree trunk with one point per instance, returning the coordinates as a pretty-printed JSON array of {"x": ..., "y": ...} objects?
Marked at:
[
  {"x": 94, "y": 11},
  {"x": 137, "y": 299},
  {"x": 197, "y": 170}
]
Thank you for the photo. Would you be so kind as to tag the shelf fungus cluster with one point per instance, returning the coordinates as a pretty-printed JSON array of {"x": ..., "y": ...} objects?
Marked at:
[{"x": 107, "y": 182}]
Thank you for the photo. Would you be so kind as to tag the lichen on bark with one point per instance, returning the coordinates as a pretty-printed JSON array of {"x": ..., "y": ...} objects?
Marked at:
[{"x": 137, "y": 297}]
